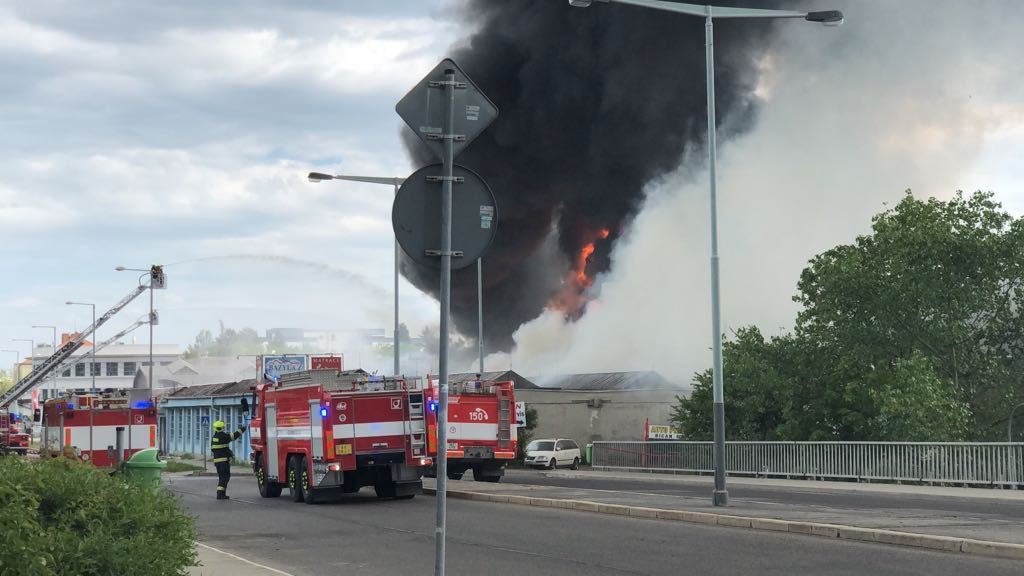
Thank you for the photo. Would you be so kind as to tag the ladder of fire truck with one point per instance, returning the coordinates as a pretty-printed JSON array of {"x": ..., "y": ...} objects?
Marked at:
[
  {"x": 39, "y": 373},
  {"x": 504, "y": 418},
  {"x": 71, "y": 364},
  {"x": 416, "y": 436}
]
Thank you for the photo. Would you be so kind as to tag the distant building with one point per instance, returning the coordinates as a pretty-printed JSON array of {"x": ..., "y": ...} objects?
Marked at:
[
  {"x": 187, "y": 416},
  {"x": 324, "y": 340},
  {"x": 115, "y": 366},
  {"x": 604, "y": 406},
  {"x": 184, "y": 372}
]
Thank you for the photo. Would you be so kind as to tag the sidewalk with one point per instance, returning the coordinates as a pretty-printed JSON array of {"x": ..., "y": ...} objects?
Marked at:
[
  {"x": 908, "y": 526},
  {"x": 878, "y": 488},
  {"x": 216, "y": 562}
]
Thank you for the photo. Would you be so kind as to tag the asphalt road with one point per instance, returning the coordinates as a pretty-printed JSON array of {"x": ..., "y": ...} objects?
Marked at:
[
  {"x": 794, "y": 495},
  {"x": 361, "y": 535}
]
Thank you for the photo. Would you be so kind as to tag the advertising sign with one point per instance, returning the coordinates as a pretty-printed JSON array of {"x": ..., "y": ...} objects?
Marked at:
[
  {"x": 275, "y": 366},
  {"x": 521, "y": 413},
  {"x": 663, "y": 432},
  {"x": 327, "y": 363}
]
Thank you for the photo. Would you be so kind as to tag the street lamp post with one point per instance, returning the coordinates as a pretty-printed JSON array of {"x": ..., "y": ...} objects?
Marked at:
[
  {"x": 316, "y": 178},
  {"x": 93, "y": 368},
  {"x": 53, "y": 351},
  {"x": 720, "y": 496}
]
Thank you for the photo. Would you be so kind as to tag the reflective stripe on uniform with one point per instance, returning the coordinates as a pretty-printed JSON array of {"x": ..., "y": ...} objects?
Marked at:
[
  {"x": 215, "y": 460},
  {"x": 221, "y": 488},
  {"x": 217, "y": 446}
]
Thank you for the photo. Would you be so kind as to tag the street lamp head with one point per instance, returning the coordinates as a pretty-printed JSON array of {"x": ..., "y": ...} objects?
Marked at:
[
  {"x": 120, "y": 268},
  {"x": 583, "y": 3},
  {"x": 319, "y": 177},
  {"x": 826, "y": 17},
  {"x": 69, "y": 302}
]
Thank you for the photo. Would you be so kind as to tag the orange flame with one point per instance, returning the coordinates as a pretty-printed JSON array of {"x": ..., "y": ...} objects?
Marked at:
[{"x": 573, "y": 299}]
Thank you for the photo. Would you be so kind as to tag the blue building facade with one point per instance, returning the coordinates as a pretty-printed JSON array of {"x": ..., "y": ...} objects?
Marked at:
[{"x": 186, "y": 418}]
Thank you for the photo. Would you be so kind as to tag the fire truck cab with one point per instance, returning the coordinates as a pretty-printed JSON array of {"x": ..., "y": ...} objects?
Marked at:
[
  {"x": 88, "y": 425},
  {"x": 481, "y": 428},
  {"x": 320, "y": 431}
]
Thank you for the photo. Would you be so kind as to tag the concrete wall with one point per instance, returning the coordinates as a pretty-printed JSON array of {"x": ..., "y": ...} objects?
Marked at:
[{"x": 586, "y": 416}]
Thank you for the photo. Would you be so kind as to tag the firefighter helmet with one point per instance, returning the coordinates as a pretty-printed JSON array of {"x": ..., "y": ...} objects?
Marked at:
[{"x": 218, "y": 425}]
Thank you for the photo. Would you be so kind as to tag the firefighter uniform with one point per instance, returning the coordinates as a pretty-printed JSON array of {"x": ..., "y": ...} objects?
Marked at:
[{"x": 220, "y": 445}]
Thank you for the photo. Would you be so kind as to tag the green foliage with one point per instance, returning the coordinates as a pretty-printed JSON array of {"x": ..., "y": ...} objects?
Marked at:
[
  {"x": 63, "y": 518},
  {"x": 231, "y": 342},
  {"x": 914, "y": 332}
]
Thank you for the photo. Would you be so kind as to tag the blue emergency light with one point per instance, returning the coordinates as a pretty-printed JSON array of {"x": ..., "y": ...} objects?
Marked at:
[
  {"x": 432, "y": 405},
  {"x": 323, "y": 412},
  {"x": 142, "y": 404}
]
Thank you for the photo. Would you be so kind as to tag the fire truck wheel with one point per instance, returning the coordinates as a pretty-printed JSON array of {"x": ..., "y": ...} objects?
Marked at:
[
  {"x": 455, "y": 475},
  {"x": 267, "y": 489},
  {"x": 293, "y": 478},
  {"x": 575, "y": 464},
  {"x": 307, "y": 490},
  {"x": 385, "y": 488}
]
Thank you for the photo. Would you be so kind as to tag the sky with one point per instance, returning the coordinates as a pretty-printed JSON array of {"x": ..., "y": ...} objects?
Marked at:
[{"x": 180, "y": 133}]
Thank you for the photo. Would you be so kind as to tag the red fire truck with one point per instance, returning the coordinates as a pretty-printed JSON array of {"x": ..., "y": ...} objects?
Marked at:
[
  {"x": 88, "y": 425},
  {"x": 12, "y": 438},
  {"x": 319, "y": 431},
  {"x": 481, "y": 431}
]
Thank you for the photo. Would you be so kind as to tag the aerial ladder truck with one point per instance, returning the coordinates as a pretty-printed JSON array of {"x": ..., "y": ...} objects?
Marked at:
[{"x": 71, "y": 421}]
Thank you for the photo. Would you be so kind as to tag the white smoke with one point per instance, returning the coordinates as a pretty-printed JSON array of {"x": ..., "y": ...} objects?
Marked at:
[{"x": 902, "y": 96}]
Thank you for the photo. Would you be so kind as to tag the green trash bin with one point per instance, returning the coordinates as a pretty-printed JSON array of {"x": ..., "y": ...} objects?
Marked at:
[
  {"x": 144, "y": 468},
  {"x": 589, "y": 458}
]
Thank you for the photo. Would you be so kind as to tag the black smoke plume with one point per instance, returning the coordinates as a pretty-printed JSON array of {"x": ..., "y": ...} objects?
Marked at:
[{"x": 593, "y": 104}]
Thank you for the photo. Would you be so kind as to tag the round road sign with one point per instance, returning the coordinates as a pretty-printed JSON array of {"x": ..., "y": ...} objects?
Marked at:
[{"x": 416, "y": 216}]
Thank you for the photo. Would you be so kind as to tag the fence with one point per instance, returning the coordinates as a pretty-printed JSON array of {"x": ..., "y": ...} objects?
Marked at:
[{"x": 965, "y": 463}]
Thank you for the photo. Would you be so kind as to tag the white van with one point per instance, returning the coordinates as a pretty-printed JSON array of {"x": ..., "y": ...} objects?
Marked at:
[{"x": 553, "y": 452}]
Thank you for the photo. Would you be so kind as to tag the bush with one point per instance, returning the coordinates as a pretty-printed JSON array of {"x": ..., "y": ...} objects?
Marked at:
[{"x": 64, "y": 518}]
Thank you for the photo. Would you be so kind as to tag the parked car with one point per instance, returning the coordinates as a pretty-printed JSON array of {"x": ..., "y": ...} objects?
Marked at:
[{"x": 551, "y": 453}]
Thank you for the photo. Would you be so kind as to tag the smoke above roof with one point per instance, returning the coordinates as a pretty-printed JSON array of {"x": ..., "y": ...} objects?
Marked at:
[{"x": 594, "y": 104}]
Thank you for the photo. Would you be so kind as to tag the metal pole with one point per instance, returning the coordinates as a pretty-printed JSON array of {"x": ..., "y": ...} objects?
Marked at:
[
  {"x": 397, "y": 368},
  {"x": 150, "y": 381},
  {"x": 480, "y": 311},
  {"x": 92, "y": 369},
  {"x": 720, "y": 497},
  {"x": 119, "y": 446},
  {"x": 54, "y": 351},
  {"x": 446, "y": 284}
]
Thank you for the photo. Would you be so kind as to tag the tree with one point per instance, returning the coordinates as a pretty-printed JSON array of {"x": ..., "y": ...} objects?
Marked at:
[
  {"x": 914, "y": 332},
  {"x": 755, "y": 395},
  {"x": 941, "y": 279},
  {"x": 403, "y": 333}
]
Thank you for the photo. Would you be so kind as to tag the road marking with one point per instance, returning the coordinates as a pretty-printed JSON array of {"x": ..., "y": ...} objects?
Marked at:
[{"x": 274, "y": 570}]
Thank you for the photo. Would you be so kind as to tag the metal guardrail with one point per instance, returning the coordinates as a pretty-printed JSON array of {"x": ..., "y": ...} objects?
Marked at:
[{"x": 977, "y": 463}]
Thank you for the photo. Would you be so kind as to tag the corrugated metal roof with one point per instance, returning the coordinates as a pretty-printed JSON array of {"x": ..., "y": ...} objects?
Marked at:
[
  {"x": 213, "y": 390},
  {"x": 519, "y": 382},
  {"x": 608, "y": 381}
]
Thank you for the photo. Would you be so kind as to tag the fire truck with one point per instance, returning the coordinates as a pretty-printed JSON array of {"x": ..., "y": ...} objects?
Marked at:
[
  {"x": 320, "y": 431},
  {"x": 481, "y": 429},
  {"x": 87, "y": 425},
  {"x": 12, "y": 438}
]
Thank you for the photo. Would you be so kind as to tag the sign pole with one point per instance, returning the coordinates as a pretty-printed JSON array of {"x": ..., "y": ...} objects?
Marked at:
[{"x": 446, "y": 286}]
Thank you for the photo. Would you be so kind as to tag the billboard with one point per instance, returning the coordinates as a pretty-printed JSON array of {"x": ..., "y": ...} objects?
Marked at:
[
  {"x": 663, "y": 432},
  {"x": 274, "y": 366},
  {"x": 327, "y": 363}
]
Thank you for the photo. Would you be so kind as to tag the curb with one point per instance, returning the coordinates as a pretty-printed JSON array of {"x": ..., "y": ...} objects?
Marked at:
[{"x": 926, "y": 541}]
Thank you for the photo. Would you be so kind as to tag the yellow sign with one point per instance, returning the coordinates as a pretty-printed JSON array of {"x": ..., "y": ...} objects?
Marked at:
[
  {"x": 343, "y": 449},
  {"x": 663, "y": 432}
]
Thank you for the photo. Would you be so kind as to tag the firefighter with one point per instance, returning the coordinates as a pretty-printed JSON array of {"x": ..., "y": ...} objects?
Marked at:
[{"x": 220, "y": 445}]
